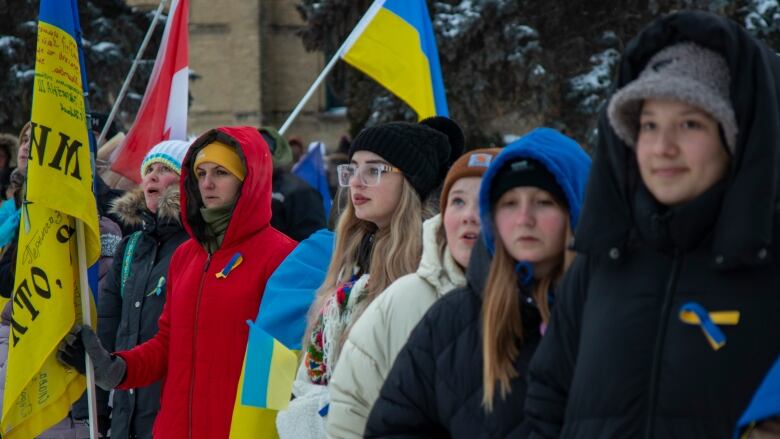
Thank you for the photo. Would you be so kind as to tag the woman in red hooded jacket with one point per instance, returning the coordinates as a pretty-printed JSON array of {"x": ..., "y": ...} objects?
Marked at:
[{"x": 216, "y": 281}]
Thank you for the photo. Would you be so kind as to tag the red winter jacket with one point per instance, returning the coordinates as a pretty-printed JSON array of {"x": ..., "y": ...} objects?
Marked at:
[{"x": 199, "y": 349}]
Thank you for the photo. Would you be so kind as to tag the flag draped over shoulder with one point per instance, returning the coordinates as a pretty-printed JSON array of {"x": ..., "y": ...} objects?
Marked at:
[
  {"x": 395, "y": 45},
  {"x": 46, "y": 301},
  {"x": 163, "y": 111},
  {"x": 270, "y": 362}
]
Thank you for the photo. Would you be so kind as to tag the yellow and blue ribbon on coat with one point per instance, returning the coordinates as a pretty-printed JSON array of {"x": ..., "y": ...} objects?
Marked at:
[
  {"x": 693, "y": 313},
  {"x": 234, "y": 262}
]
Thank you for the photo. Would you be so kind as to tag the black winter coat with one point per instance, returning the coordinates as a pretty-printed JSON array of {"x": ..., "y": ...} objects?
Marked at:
[
  {"x": 125, "y": 321},
  {"x": 617, "y": 360},
  {"x": 434, "y": 388},
  {"x": 296, "y": 207},
  {"x": 105, "y": 197}
]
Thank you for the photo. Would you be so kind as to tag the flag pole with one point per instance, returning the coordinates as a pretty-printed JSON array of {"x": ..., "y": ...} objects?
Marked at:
[
  {"x": 81, "y": 253},
  {"x": 353, "y": 36},
  {"x": 131, "y": 73},
  {"x": 86, "y": 319}
]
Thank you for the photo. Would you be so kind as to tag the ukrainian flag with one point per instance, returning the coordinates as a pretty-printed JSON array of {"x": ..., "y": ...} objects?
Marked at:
[
  {"x": 262, "y": 377},
  {"x": 271, "y": 360},
  {"x": 394, "y": 44},
  {"x": 264, "y": 386},
  {"x": 38, "y": 389}
]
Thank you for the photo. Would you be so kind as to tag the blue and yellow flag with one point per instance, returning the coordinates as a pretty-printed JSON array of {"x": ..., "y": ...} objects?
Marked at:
[
  {"x": 311, "y": 169},
  {"x": 39, "y": 390},
  {"x": 394, "y": 44},
  {"x": 265, "y": 386},
  {"x": 275, "y": 336}
]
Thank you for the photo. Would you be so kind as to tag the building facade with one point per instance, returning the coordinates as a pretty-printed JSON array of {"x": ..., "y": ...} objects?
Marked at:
[{"x": 250, "y": 68}]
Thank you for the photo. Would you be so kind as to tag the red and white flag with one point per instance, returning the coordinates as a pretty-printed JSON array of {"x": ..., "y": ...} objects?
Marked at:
[{"x": 163, "y": 112}]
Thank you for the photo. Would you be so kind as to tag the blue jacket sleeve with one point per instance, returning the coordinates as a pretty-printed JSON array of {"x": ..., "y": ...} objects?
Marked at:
[
  {"x": 9, "y": 222},
  {"x": 7, "y": 208}
]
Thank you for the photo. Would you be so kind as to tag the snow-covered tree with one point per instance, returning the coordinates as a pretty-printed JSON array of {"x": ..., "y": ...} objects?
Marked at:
[
  {"x": 112, "y": 33},
  {"x": 510, "y": 65}
]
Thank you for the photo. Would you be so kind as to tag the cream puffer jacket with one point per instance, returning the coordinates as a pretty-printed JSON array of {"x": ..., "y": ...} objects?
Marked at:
[{"x": 381, "y": 332}]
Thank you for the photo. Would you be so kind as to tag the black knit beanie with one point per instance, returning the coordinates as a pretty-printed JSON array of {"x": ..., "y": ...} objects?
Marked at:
[
  {"x": 420, "y": 152},
  {"x": 454, "y": 134},
  {"x": 525, "y": 172}
]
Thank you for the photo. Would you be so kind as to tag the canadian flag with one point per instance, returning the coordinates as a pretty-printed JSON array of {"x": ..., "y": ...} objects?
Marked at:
[{"x": 163, "y": 112}]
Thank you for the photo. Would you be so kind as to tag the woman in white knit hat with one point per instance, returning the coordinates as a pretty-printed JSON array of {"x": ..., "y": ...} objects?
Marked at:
[{"x": 133, "y": 297}]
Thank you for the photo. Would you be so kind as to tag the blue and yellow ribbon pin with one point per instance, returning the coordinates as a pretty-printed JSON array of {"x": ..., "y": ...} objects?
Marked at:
[
  {"x": 159, "y": 288},
  {"x": 234, "y": 262},
  {"x": 693, "y": 313}
]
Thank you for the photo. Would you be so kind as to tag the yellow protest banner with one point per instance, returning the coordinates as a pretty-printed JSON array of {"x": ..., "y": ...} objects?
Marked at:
[{"x": 46, "y": 301}]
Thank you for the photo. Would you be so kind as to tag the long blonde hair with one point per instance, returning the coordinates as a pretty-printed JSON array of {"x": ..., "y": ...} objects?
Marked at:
[
  {"x": 396, "y": 252},
  {"x": 502, "y": 326}
]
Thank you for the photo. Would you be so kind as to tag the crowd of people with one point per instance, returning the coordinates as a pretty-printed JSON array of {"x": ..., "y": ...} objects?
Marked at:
[{"x": 457, "y": 290}]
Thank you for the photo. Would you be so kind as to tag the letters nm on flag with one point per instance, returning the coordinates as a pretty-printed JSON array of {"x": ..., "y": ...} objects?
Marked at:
[
  {"x": 39, "y": 390},
  {"x": 398, "y": 49}
]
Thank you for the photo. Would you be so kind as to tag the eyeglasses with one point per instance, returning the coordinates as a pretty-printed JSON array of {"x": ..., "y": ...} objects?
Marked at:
[{"x": 370, "y": 174}]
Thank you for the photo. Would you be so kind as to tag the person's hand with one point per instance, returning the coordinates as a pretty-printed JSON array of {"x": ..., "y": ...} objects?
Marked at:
[
  {"x": 81, "y": 340},
  {"x": 769, "y": 429},
  {"x": 71, "y": 351}
]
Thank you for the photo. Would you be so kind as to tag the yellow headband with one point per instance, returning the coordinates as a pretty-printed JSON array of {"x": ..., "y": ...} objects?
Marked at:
[{"x": 223, "y": 155}]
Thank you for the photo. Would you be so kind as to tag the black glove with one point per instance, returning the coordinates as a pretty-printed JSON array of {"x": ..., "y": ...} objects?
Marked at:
[{"x": 109, "y": 369}]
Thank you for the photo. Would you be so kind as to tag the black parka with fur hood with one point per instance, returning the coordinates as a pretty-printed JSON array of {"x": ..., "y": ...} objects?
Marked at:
[
  {"x": 128, "y": 318},
  {"x": 618, "y": 359}
]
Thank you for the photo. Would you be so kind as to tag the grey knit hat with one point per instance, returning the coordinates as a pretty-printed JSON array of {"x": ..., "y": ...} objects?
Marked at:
[{"x": 685, "y": 72}]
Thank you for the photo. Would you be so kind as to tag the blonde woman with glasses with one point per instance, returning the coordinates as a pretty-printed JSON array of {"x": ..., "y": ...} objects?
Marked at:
[
  {"x": 447, "y": 242},
  {"x": 392, "y": 170}
]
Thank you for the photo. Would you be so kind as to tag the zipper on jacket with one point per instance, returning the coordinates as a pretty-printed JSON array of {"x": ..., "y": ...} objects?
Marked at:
[
  {"x": 194, "y": 342},
  {"x": 659, "y": 342}
]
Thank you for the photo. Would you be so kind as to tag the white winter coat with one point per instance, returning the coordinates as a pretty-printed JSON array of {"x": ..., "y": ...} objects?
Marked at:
[{"x": 381, "y": 332}]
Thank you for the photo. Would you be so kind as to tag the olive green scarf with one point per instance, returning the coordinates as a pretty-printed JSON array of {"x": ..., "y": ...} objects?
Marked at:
[{"x": 217, "y": 220}]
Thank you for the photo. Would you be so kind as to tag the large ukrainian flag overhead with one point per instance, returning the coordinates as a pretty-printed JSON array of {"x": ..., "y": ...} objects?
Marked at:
[
  {"x": 38, "y": 389},
  {"x": 394, "y": 44}
]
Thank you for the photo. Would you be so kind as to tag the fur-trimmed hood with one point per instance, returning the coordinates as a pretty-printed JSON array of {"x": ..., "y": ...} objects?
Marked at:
[
  {"x": 131, "y": 209},
  {"x": 744, "y": 223}
]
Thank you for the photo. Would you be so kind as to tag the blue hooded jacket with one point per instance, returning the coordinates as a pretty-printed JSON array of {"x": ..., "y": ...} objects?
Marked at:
[
  {"x": 435, "y": 387},
  {"x": 561, "y": 155}
]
